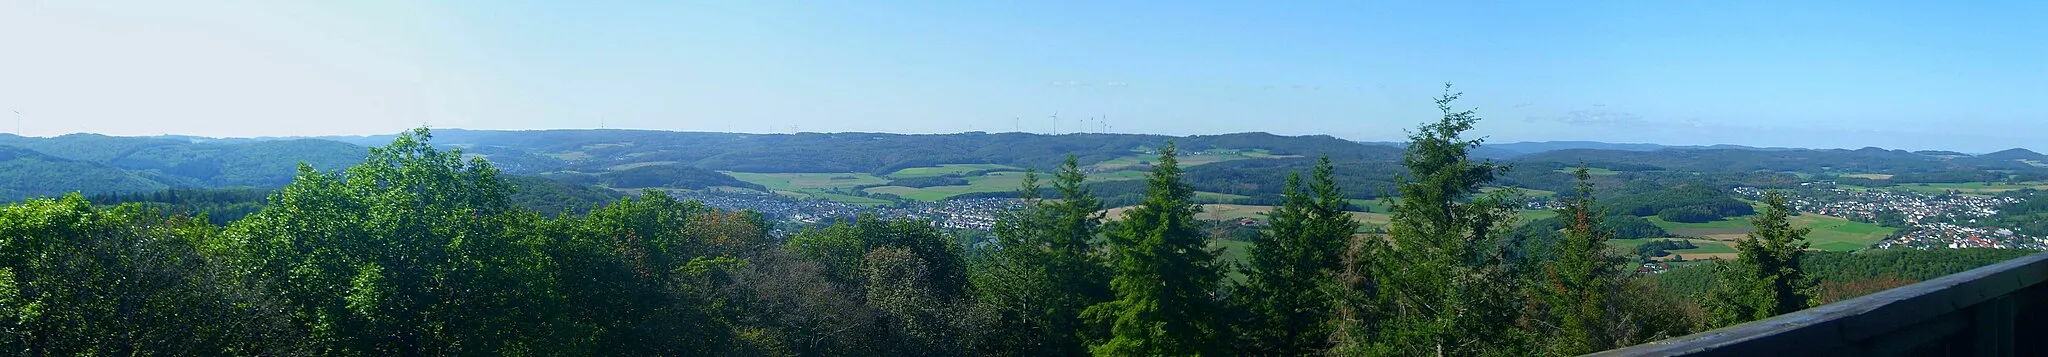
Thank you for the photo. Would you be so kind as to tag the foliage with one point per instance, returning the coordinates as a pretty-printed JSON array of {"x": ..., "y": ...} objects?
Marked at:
[
  {"x": 1769, "y": 279},
  {"x": 1577, "y": 285},
  {"x": 929, "y": 181},
  {"x": 1044, "y": 269},
  {"x": 1290, "y": 261},
  {"x": 1623, "y": 226},
  {"x": 1689, "y": 203},
  {"x": 1431, "y": 288},
  {"x": 673, "y": 176},
  {"x": 79, "y": 280},
  {"x": 419, "y": 251},
  {"x": 551, "y": 197},
  {"x": 1165, "y": 276},
  {"x": 218, "y": 206},
  {"x": 1661, "y": 247}
]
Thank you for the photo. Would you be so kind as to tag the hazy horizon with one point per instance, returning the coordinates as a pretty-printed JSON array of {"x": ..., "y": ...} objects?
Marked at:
[{"x": 1809, "y": 75}]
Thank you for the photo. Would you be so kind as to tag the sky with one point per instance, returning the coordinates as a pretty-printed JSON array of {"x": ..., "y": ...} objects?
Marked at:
[{"x": 1966, "y": 76}]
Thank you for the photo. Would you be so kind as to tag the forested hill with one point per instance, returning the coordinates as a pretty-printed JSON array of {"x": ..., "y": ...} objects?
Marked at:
[
  {"x": 99, "y": 164},
  {"x": 93, "y": 163},
  {"x": 1865, "y": 160},
  {"x": 594, "y": 150}
]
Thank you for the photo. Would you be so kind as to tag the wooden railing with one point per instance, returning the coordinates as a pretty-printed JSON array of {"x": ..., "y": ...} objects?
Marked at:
[{"x": 1996, "y": 310}]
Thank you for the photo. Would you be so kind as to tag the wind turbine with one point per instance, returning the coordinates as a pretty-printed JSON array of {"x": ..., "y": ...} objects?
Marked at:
[{"x": 1055, "y": 123}]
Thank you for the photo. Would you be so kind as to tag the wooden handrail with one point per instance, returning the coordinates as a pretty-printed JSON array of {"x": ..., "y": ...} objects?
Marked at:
[{"x": 1971, "y": 313}]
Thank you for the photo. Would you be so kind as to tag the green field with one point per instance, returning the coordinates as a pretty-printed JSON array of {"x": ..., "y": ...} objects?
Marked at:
[
  {"x": 808, "y": 181},
  {"x": 1531, "y": 215},
  {"x": 1137, "y": 161},
  {"x": 991, "y": 182},
  {"x": 1217, "y": 197},
  {"x": 947, "y": 169},
  {"x": 1706, "y": 248},
  {"x": 1234, "y": 252},
  {"x": 814, "y": 185},
  {"x": 1114, "y": 176},
  {"x": 1595, "y": 171},
  {"x": 1829, "y": 233}
]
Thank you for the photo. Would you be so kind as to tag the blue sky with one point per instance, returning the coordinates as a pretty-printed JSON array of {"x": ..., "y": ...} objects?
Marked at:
[{"x": 1916, "y": 75}]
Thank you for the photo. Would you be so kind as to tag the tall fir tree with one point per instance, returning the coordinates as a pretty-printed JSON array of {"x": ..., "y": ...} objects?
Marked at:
[
  {"x": 1767, "y": 280},
  {"x": 1436, "y": 279},
  {"x": 1045, "y": 269},
  {"x": 1165, "y": 275},
  {"x": 1578, "y": 282},
  {"x": 1079, "y": 276},
  {"x": 1297, "y": 254}
]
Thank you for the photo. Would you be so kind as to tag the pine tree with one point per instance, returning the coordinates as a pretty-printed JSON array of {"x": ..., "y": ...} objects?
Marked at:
[
  {"x": 1436, "y": 279},
  {"x": 1296, "y": 255},
  {"x": 1165, "y": 275},
  {"x": 1767, "y": 280},
  {"x": 1077, "y": 271},
  {"x": 1578, "y": 282},
  {"x": 1045, "y": 269}
]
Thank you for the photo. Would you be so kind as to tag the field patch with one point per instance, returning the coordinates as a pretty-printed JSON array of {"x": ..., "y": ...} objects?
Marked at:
[
  {"x": 1870, "y": 176},
  {"x": 1218, "y": 197},
  {"x": 807, "y": 181},
  {"x": 1595, "y": 171},
  {"x": 1115, "y": 176},
  {"x": 629, "y": 166},
  {"x": 1829, "y": 232},
  {"x": 948, "y": 169},
  {"x": 990, "y": 182},
  {"x": 829, "y": 186},
  {"x": 1186, "y": 158}
]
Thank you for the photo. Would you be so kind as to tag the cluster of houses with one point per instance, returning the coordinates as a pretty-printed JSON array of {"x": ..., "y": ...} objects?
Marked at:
[
  {"x": 975, "y": 214},
  {"x": 1931, "y": 221},
  {"x": 1944, "y": 235}
]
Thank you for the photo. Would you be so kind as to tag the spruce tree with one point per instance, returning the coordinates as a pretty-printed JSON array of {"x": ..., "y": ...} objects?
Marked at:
[
  {"x": 1292, "y": 258},
  {"x": 1075, "y": 268},
  {"x": 1438, "y": 280},
  {"x": 1578, "y": 282},
  {"x": 1045, "y": 269},
  {"x": 1767, "y": 280},
  {"x": 1164, "y": 275}
]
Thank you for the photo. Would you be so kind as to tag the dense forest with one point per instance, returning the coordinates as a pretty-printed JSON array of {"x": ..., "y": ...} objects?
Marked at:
[
  {"x": 420, "y": 251},
  {"x": 1685, "y": 203}
]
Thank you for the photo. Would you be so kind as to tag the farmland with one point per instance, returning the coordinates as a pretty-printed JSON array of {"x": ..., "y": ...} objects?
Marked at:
[
  {"x": 815, "y": 185},
  {"x": 1829, "y": 233},
  {"x": 1139, "y": 161},
  {"x": 948, "y": 169}
]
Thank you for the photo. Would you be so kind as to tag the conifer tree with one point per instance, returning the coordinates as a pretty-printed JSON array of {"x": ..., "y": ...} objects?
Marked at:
[
  {"x": 1437, "y": 279},
  {"x": 1578, "y": 282},
  {"x": 1296, "y": 255},
  {"x": 1767, "y": 279},
  {"x": 1164, "y": 275},
  {"x": 1045, "y": 269},
  {"x": 1076, "y": 269}
]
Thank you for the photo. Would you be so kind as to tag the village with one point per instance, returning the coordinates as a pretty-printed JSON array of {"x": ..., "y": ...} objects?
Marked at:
[
  {"x": 969, "y": 214},
  {"x": 1925, "y": 221}
]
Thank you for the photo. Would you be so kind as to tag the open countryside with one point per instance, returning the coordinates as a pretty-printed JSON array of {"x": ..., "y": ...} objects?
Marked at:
[{"x": 969, "y": 178}]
